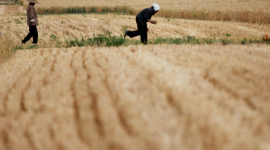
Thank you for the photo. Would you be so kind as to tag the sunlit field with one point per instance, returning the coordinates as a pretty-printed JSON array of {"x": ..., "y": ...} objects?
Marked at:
[
  {"x": 65, "y": 27},
  {"x": 201, "y": 83},
  {"x": 137, "y": 97},
  {"x": 256, "y": 11},
  {"x": 220, "y": 5}
]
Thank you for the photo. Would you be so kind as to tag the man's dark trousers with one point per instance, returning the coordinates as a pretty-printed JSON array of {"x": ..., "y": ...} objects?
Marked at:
[
  {"x": 32, "y": 33},
  {"x": 142, "y": 31}
]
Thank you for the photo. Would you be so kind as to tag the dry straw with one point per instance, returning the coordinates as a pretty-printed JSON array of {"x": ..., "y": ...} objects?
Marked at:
[
  {"x": 226, "y": 15},
  {"x": 6, "y": 48},
  {"x": 250, "y": 16}
]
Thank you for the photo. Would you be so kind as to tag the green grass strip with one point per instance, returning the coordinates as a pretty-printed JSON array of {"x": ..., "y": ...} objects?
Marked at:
[{"x": 107, "y": 40}]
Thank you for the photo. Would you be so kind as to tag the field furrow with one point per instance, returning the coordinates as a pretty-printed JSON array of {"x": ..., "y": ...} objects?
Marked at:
[
  {"x": 201, "y": 83},
  {"x": 136, "y": 97}
]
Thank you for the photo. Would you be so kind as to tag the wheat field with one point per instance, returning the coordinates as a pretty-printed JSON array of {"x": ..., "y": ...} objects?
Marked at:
[
  {"x": 137, "y": 97},
  {"x": 252, "y": 11},
  {"x": 167, "y": 4},
  {"x": 160, "y": 97},
  {"x": 75, "y": 26}
]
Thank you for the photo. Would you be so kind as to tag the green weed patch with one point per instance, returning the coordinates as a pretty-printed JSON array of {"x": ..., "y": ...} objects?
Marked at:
[{"x": 106, "y": 40}]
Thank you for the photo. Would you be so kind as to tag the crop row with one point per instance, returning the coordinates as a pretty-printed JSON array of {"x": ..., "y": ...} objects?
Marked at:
[{"x": 251, "y": 16}]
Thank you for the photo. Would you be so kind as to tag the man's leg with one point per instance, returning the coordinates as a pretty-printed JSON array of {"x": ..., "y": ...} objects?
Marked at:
[
  {"x": 28, "y": 37},
  {"x": 35, "y": 34},
  {"x": 132, "y": 34},
  {"x": 135, "y": 33},
  {"x": 144, "y": 35}
]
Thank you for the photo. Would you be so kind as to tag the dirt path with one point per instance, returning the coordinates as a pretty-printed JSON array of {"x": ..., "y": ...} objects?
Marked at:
[{"x": 137, "y": 97}]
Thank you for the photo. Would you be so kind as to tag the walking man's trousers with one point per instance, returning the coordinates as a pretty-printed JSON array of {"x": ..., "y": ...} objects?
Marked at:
[
  {"x": 32, "y": 33},
  {"x": 142, "y": 31}
]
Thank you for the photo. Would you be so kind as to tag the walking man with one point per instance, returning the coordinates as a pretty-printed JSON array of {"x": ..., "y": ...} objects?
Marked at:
[
  {"x": 141, "y": 19},
  {"x": 32, "y": 22}
]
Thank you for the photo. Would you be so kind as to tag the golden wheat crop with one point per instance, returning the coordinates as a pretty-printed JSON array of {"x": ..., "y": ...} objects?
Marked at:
[
  {"x": 255, "y": 11},
  {"x": 2, "y": 9},
  {"x": 76, "y": 26},
  {"x": 6, "y": 47},
  {"x": 137, "y": 97},
  {"x": 167, "y": 4},
  {"x": 163, "y": 97},
  {"x": 59, "y": 28},
  {"x": 11, "y": 9}
]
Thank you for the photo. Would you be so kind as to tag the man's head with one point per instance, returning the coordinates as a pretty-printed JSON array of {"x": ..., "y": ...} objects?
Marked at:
[
  {"x": 156, "y": 7},
  {"x": 33, "y": 1}
]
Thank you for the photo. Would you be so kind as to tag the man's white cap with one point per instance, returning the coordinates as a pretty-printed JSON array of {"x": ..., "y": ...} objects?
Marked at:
[{"x": 156, "y": 7}]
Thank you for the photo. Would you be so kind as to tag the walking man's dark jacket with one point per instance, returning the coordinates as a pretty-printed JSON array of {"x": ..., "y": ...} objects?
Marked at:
[{"x": 145, "y": 15}]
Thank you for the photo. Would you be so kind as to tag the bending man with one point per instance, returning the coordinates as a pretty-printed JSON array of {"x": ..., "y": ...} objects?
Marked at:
[
  {"x": 32, "y": 22},
  {"x": 141, "y": 19}
]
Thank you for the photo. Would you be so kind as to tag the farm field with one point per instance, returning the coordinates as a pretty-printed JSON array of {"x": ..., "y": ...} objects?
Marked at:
[
  {"x": 168, "y": 4},
  {"x": 192, "y": 96},
  {"x": 72, "y": 26},
  {"x": 137, "y": 97}
]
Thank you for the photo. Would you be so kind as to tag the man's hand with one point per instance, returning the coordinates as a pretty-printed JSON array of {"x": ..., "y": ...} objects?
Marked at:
[
  {"x": 32, "y": 22},
  {"x": 153, "y": 21}
]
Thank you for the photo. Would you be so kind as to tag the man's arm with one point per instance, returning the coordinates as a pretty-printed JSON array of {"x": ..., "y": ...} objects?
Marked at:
[
  {"x": 148, "y": 15},
  {"x": 152, "y": 21}
]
